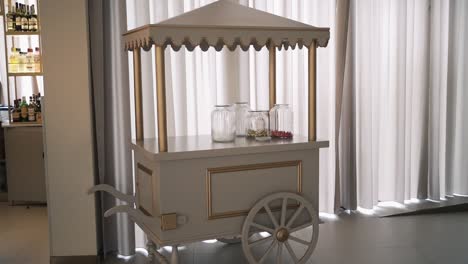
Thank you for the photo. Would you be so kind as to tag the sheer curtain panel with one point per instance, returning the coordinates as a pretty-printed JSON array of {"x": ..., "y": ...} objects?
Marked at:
[
  {"x": 109, "y": 69},
  {"x": 406, "y": 101}
]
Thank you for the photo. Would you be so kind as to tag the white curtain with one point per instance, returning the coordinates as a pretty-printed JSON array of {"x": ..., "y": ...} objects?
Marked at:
[
  {"x": 456, "y": 111},
  {"x": 111, "y": 112},
  {"x": 391, "y": 94},
  {"x": 404, "y": 133}
]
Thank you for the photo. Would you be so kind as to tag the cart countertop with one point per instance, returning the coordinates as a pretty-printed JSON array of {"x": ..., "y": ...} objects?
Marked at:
[{"x": 190, "y": 147}]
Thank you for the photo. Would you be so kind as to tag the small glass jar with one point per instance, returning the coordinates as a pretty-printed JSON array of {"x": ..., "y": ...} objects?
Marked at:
[
  {"x": 223, "y": 123},
  {"x": 281, "y": 121},
  {"x": 258, "y": 125},
  {"x": 242, "y": 114}
]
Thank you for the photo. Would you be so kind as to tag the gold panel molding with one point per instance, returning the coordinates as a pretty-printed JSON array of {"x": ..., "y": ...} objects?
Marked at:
[
  {"x": 211, "y": 171},
  {"x": 150, "y": 173},
  {"x": 145, "y": 169}
]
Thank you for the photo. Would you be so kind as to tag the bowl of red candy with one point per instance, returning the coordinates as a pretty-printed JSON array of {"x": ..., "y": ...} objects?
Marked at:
[{"x": 281, "y": 134}]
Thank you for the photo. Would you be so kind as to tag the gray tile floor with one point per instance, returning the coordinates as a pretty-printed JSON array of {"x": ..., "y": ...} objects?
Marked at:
[
  {"x": 352, "y": 239},
  {"x": 361, "y": 239}
]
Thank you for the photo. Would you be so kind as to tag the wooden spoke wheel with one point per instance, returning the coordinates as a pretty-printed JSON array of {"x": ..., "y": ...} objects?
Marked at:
[{"x": 281, "y": 242}]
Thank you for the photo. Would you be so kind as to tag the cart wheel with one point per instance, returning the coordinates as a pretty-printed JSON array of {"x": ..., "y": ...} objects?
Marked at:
[
  {"x": 275, "y": 246},
  {"x": 230, "y": 240}
]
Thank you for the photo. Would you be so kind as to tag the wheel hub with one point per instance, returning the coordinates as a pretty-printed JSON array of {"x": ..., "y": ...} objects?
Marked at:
[{"x": 282, "y": 234}]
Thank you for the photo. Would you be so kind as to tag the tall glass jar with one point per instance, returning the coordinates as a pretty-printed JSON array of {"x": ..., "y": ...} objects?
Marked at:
[
  {"x": 258, "y": 125},
  {"x": 281, "y": 121},
  {"x": 242, "y": 113},
  {"x": 223, "y": 123}
]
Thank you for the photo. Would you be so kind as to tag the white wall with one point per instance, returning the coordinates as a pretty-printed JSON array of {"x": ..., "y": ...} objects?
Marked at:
[{"x": 68, "y": 123}]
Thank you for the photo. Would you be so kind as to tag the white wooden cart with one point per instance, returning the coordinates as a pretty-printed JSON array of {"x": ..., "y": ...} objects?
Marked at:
[{"x": 190, "y": 188}]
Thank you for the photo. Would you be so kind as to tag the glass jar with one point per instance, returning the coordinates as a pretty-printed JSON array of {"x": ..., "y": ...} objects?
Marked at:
[
  {"x": 242, "y": 114},
  {"x": 258, "y": 125},
  {"x": 281, "y": 121},
  {"x": 223, "y": 123}
]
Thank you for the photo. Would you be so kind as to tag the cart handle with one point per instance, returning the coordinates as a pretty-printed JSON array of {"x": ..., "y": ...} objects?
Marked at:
[
  {"x": 136, "y": 215},
  {"x": 130, "y": 199}
]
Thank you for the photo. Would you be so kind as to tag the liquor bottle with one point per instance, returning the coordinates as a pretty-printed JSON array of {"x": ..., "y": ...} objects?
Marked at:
[
  {"x": 33, "y": 100},
  {"x": 25, "y": 19},
  {"x": 18, "y": 16},
  {"x": 12, "y": 58},
  {"x": 31, "y": 110},
  {"x": 37, "y": 55},
  {"x": 22, "y": 61},
  {"x": 16, "y": 112},
  {"x": 24, "y": 109},
  {"x": 11, "y": 18},
  {"x": 13, "y": 61},
  {"x": 33, "y": 20},
  {"x": 37, "y": 60},
  {"x": 30, "y": 60},
  {"x": 39, "y": 108}
]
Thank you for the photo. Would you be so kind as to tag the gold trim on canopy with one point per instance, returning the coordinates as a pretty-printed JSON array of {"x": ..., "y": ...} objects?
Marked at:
[{"x": 224, "y": 23}]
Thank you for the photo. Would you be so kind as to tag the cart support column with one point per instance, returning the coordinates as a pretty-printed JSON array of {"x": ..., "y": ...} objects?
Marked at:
[
  {"x": 272, "y": 75},
  {"x": 138, "y": 93},
  {"x": 313, "y": 91},
  {"x": 161, "y": 98}
]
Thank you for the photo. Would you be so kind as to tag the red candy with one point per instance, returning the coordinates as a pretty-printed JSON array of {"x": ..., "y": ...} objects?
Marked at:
[{"x": 281, "y": 134}]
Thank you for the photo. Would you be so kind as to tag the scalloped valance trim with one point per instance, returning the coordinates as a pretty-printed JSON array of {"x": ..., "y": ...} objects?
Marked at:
[
  {"x": 218, "y": 45},
  {"x": 219, "y": 38}
]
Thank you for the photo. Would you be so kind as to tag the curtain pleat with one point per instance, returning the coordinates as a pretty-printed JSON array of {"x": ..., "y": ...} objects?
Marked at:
[
  {"x": 401, "y": 104},
  {"x": 111, "y": 105},
  {"x": 457, "y": 96}
]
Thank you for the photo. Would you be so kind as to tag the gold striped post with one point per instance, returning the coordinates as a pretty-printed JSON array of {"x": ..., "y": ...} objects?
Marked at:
[
  {"x": 161, "y": 98},
  {"x": 138, "y": 93},
  {"x": 272, "y": 75},
  {"x": 313, "y": 91}
]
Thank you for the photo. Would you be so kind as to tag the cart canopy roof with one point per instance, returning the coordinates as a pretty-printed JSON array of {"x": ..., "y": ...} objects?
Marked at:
[{"x": 224, "y": 23}]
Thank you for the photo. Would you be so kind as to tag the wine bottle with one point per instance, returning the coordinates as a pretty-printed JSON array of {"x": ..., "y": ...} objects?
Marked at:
[
  {"x": 24, "y": 19},
  {"x": 39, "y": 108},
  {"x": 16, "y": 112},
  {"x": 11, "y": 18},
  {"x": 18, "y": 17},
  {"x": 33, "y": 20}
]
